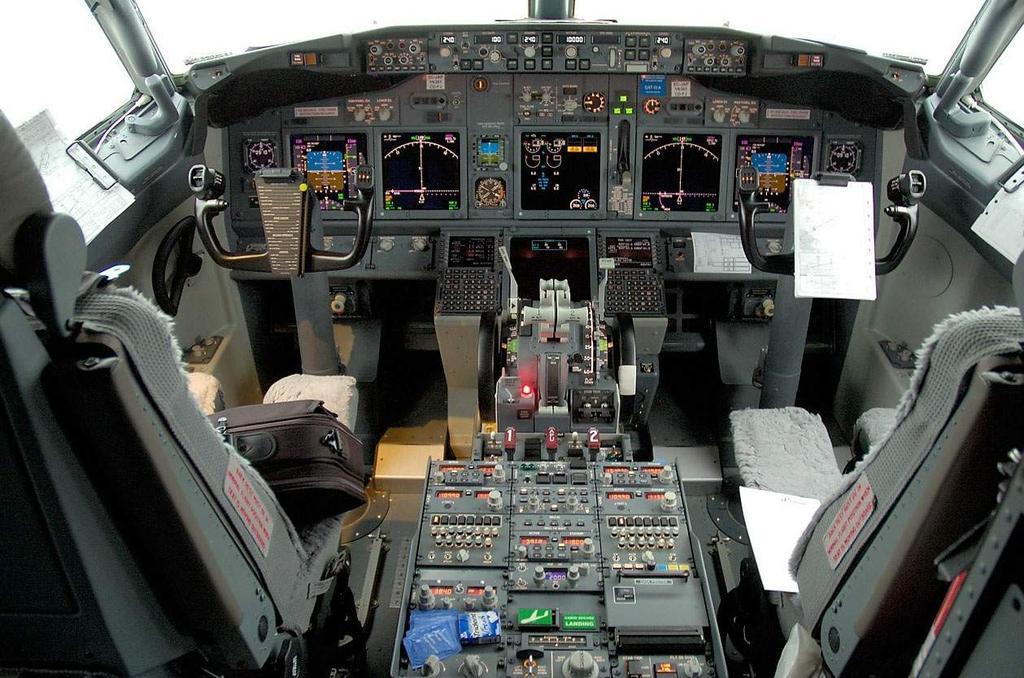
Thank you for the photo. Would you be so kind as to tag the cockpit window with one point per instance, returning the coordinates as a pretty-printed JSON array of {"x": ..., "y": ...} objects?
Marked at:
[
  {"x": 56, "y": 58},
  {"x": 1001, "y": 88},
  {"x": 190, "y": 30}
]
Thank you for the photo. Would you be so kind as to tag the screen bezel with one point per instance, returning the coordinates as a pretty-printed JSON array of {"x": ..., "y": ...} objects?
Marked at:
[
  {"x": 403, "y": 215},
  {"x": 775, "y": 217},
  {"x": 724, "y": 187},
  {"x": 292, "y": 133},
  {"x": 602, "y": 210},
  {"x": 289, "y": 132}
]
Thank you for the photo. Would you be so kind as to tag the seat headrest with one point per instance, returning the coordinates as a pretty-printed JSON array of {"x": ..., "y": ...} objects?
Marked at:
[{"x": 22, "y": 191}]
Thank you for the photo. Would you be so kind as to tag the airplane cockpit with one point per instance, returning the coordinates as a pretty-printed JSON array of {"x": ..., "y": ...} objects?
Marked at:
[{"x": 668, "y": 342}]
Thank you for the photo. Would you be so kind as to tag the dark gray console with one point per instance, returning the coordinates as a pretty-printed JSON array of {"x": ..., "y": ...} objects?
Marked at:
[{"x": 590, "y": 572}]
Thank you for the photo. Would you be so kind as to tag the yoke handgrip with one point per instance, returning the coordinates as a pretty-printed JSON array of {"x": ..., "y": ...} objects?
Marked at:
[{"x": 747, "y": 181}]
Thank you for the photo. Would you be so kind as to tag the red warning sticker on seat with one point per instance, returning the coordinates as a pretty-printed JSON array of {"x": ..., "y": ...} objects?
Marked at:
[
  {"x": 853, "y": 515},
  {"x": 250, "y": 508}
]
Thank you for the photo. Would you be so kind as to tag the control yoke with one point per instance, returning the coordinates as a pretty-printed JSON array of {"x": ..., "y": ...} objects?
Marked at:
[
  {"x": 286, "y": 208},
  {"x": 904, "y": 192}
]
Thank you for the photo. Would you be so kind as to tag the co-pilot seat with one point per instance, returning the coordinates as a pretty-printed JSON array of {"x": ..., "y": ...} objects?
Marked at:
[
  {"x": 865, "y": 565},
  {"x": 132, "y": 537}
]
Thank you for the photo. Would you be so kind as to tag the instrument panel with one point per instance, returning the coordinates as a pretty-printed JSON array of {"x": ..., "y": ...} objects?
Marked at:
[{"x": 524, "y": 127}]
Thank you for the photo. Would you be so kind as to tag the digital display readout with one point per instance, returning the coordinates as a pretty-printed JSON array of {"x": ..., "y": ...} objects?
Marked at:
[
  {"x": 470, "y": 252},
  {"x": 534, "y": 540},
  {"x": 474, "y": 590},
  {"x": 449, "y": 494},
  {"x": 560, "y": 171},
  {"x": 421, "y": 171},
  {"x": 555, "y": 573},
  {"x": 482, "y": 494},
  {"x": 619, "y": 496},
  {"x": 442, "y": 590},
  {"x": 327, "y": 161},
  {"x": 573, "y": 541},
  {"x": 630, "y": 252},
  {"x": 654, "y": 496},
  {"x": 681, "y": 172},
  {"x": 779, "y": 161}
]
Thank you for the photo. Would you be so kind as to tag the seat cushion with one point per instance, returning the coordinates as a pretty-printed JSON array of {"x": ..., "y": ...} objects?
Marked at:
[
  {"x": 337, "y": 392},
  {"x": 785, "y": 450}
]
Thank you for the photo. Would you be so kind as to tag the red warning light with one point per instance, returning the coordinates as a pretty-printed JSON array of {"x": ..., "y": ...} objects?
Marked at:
[{"x": 526, "y": 390}]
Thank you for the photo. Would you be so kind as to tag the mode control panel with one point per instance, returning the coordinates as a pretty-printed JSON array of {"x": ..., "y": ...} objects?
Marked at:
[{"x": 608, "y": 590}]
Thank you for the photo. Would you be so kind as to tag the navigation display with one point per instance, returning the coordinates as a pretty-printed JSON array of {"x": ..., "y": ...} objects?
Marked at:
[
  {"x": 681, "y": 172},
  {"x": 421, "y": 171},
  {"x": 551, "y": 258},
  {"x": 327, "y": 160},
  {"x": 470, "y": 251},
  {"x": 779, "y": 160},
  {"x": 630, "y": 252},
  {"x": 561, "y": 171}
]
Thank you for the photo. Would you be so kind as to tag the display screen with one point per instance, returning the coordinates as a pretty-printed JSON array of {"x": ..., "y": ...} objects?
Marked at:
[
  {"x": 490, "y": 151},
  {"x": 630, "y": 252},
  {"x": 470, "y": 251},
  {"x": 561, "y": 171},
  {"x": 449, "y": 494},
  {"x": 327, "y": 161},
  {"x": 779, "y": 160},
  {"x": 555, "y": 573},
  {"x": 534, "y": 259},
  {"x": 681, "y": 172},
  {"x": 533, "y": 541},
  {"x": 421, "y": 171}
]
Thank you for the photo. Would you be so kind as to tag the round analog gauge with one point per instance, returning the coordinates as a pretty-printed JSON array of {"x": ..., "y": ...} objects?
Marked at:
[
  {"x": 844, "y": 156},
  {"x": 594, "y": 102},
  {"x": 259, "y": 154},
  {"x": 652, "y": 106},
  {"x": 490, "y": 192}
]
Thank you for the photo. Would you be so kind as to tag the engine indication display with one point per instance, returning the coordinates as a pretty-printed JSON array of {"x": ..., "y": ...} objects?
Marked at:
[
  {"x": 561, "y": 170},
  {"x": 421, "y": 171},
  {"x": 681, "y": 172},
  {"x": 779, "y": 161},
  {"x": 327, "y": 160}
]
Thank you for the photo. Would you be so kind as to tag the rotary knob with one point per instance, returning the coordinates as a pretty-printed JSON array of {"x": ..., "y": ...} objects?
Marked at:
[
  {"x": 572, "y": 502},
  {"x": 580, "y": 664},
  {"x": 425, "y": 598},
  {"x": 473, "y": 667},
  {"x": 588, "y": 547},
  {"x": 718, "y": 115},
  {"x": 437, "y": 477},
  {"x": 338, "y": 303},
  {"x": 498, "y": 474},
  {"x": 420, "y": 244},
  {"x": 530, "y": 51},
  {"x": 533, "y": 501},
  {"x": 667, "y": 475},
  {"x": 669, "y": 502},
  {"x": 538, "y": 574},
  {"x": 462, "y": 555},
  {"x": 384, "y": 114},
  {"x": 573, "y": 574},
  {"x": 648, "y": 559},
  {"x": 522, "y": 552},
  {"x": 489, "y": 600},
  {"x": 386, "y": 244},
  {"x": 494, "y": 501}
]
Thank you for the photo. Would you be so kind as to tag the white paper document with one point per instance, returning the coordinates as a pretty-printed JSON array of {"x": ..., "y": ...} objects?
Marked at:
[
  {"x": 1001, "y": 225},
  {"x": 718, "y": 253},
  {"x": 775, "y": 522},
  {"x": 834, "y": 240},
  {"x": 72, "y": 191}
]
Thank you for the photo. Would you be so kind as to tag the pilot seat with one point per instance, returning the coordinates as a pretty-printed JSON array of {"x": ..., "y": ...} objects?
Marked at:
[{"x": 163, "y": 547}]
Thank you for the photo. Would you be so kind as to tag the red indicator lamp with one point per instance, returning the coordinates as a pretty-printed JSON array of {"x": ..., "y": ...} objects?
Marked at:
[{"x": 526, "y": 390}]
